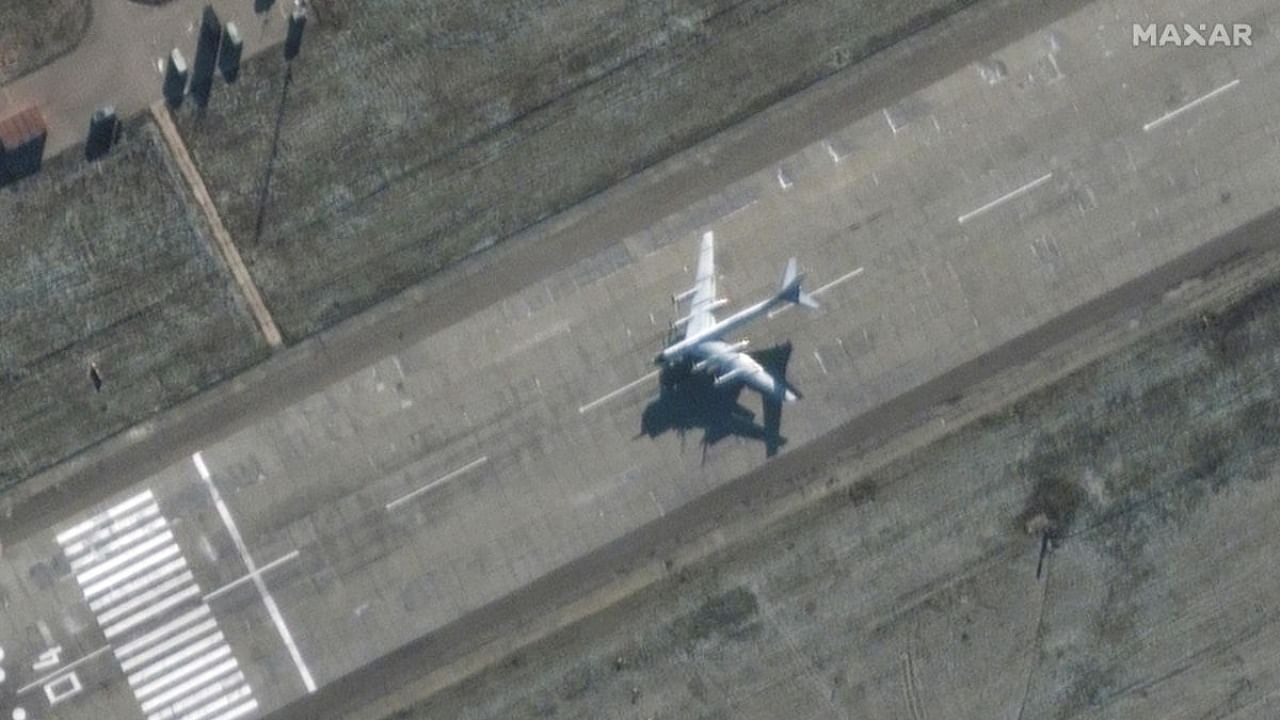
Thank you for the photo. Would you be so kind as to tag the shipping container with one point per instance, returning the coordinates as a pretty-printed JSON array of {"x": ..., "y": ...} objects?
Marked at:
[{"x": 22, "y": 138}]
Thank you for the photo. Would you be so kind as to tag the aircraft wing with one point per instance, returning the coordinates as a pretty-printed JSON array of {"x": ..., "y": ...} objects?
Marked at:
[{"x": 704, "y": 288}]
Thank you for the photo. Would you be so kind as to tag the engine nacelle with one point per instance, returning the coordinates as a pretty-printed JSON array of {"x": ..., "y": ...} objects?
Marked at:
[{"x": 730, "y": 376}]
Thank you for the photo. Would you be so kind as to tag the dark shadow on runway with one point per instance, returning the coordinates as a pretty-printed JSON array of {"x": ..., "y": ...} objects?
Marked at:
[{"x": 691, "y": 401}]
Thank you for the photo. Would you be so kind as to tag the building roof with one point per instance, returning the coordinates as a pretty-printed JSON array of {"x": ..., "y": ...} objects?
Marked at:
[{"x": 21, "y": 127}]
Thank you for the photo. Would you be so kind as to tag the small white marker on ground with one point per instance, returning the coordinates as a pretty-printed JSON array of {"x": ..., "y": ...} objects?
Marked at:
[
  {"x": 889, "y": 120},
  {"x": 821, "y": 365}
]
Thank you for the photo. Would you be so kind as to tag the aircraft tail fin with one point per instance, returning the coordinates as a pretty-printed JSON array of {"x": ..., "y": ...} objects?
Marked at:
[{"x": 790, "y": 287}]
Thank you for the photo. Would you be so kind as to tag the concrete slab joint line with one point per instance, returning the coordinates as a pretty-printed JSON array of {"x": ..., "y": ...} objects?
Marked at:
[{"x": 220, "y": 234}]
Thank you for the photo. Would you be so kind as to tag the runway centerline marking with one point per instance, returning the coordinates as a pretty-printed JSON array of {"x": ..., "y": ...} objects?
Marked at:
[
  {"x": 606, "y": 398},
  {"x": 1006, "y": 197},
  {"x": 267, "y": 600},
  {"x": 1202, "y": 99},
  {"x": 249, "y": 576},
  {"x": 843, "y": 278},
  {"x": 64, "y": 669},
  {"x": 439, "y": 481}
]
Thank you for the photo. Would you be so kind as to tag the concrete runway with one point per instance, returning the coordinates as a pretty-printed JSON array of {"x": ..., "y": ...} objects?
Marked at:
[{"x": 447, "y": 476}]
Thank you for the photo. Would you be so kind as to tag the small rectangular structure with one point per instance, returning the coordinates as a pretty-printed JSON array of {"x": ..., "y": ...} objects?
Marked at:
[
  {"x": 175, "y": 78},
  {"x": 293, "y": 38},
  {"x": 22, "y": 138},
  {"x": 229, "y": 55},
  {"x": 103, "y": 126},
  {"x": 206, "y": 55}
]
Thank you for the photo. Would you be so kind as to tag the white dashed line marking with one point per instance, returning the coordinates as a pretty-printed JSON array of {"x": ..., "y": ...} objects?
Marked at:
[
  {"x": 1202, "y": 99},
  {"x": 439, "y": 481},
  {"x": 600, "y": 401},
  {"x": 1006, "y": 197}
]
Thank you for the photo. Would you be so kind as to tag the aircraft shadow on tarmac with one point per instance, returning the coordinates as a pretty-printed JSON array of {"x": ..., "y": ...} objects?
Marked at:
[{"x": 689, "y": 401}]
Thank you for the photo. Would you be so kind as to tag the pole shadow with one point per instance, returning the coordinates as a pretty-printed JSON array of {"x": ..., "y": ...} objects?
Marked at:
[
  {"x": 264, "y": 195},
  {"x": 691, "y": 401}
]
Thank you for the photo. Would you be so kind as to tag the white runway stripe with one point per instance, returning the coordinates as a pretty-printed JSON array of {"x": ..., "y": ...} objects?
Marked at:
[
  {"x": 217, "y": 654},
  {"x": 140, "y": 588},
  {"x": 100, "y": 554},
  {"x": 133, "y": 502},
  {"x": 185, "y": 636},
  {"x": 132, "y": 553},
  {"x": 177, "y": 658},
  {"x": 142, "y": 616},
  {"x": 239, "y": 712},
  {"x": 181, "y": 689},
  {"x": 197, "y": 698},
  {"x": 134, "y": 586},
  {"x": 173, "y": 625},
  {"x": 123, "y": 574},
  {"x": 138, "y": 601},
  {"x": 72, "y": 533},
  {"x": 219, "y": 705},
  {"x": 267, "y": 600},
  {"x": 107, "y": 532}
]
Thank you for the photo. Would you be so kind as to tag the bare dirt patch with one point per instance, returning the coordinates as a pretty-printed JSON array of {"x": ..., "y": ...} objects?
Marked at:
[
  {"x": 33, "y": 33},
  {"x": 107, "y": 264}
]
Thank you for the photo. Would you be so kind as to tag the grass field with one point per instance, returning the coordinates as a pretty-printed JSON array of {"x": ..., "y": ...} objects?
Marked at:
[
  {"x": 408, "y": 135},
  {"x": 919, "y": 592},
  {"x": 34, "y": 32},
  {"x": 107, "y": 263}
]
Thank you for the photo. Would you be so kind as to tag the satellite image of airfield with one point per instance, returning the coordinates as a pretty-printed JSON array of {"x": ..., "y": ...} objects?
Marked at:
[{"x": 639, "y": 359}]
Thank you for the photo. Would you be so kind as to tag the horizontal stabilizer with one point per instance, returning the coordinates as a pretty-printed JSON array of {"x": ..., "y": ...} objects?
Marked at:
[{"x": 790, "y": 287}]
